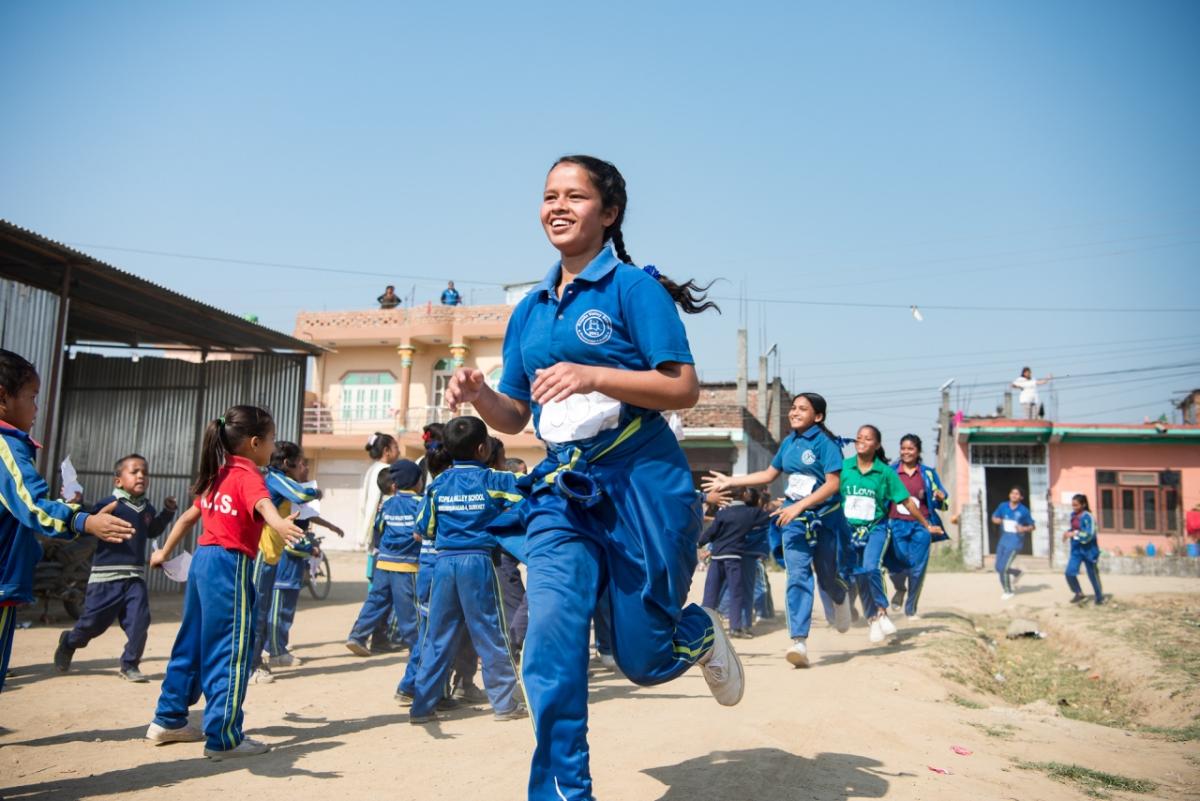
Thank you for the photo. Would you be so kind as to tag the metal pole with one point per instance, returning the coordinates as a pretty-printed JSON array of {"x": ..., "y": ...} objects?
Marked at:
[{"x": 55, "y": 384}]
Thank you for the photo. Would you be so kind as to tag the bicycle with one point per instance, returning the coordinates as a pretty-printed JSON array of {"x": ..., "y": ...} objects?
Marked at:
[{"x": 318, "y": 577}]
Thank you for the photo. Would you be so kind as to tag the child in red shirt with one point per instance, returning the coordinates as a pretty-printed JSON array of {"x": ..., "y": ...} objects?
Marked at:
[{"x": 212, "y": 651}]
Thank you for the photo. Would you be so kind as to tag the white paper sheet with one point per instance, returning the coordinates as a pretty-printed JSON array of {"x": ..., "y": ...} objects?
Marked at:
[
  {"x": 70, "y": 480},
  {"x": 177, "y": 568}
]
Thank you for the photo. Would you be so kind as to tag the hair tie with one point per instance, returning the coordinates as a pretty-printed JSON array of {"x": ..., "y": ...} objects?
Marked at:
[
  {"x": 652, "y": 271},
  {"x": 432, "y": 445},
  {"x": 221, "y": 421},
  {"x": 371, "y": 440},
  {"x": 426, "y": 436}
]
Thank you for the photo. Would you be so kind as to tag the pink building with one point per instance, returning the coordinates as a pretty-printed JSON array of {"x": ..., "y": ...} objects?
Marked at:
[{"x": 1139, "y": 478}]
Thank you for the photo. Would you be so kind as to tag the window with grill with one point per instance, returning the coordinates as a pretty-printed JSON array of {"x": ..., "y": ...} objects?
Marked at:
[
  {"x": 367, "y": 396},
  {"x": 1141, "y": 502},
  {"x": 1008, "y": 454}
]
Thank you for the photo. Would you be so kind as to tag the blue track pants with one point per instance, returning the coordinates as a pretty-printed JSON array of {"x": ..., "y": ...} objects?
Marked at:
[
  {"x": 870, "y": 552},
  {"x": 212, "y": 650},
  {"x": 264, "y": 586},
  {"x": 282, "y": 615},
  {"x": 8, "y": 627},
  {"x": 910, "y": 552},
  {"x": 825, "y": 557},
  {"x": 1088, "y": 556},
  {"x": 392, "y": 594},
  {"x": 465, "y": 593},
  {"x": 1006, "y": 551}
]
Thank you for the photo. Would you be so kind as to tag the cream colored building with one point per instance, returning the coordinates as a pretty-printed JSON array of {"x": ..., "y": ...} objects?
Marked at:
[{"x": 387, "y": 370}]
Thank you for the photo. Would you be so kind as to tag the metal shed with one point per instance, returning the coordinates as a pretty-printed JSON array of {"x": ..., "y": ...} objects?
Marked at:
[{"x": 98, "y": 408}]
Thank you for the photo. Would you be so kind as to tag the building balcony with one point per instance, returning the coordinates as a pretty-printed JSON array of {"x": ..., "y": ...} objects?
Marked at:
[{"x": 428, "y": 324}]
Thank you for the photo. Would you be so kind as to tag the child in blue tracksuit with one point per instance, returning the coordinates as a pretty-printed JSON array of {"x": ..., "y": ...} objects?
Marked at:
[
  {"x": 286, "y": 479},
  {"x": 1085, "y": 549},
  {"x": 594, "y": 353},
  {"x": 726, "y": 537},
  {"x": 812, "y": 526},
  {"x": 1015, "y": 522},
  {"x": 211, "y": 654},
  {"x": 116, "y": 588},
  {"x": 465, "y": 590},
  {"x": 911, "y": 541},
  {"x": 393, "y": 583},
  {"x": 26, "y": 509}
]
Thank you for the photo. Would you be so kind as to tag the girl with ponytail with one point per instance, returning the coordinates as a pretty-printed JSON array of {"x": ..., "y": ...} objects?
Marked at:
[
  {"x": 212, "y": 651},
  {"x": 595, "y": 353}
]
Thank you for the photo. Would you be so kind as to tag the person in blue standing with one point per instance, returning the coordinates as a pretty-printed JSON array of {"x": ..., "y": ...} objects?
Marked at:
[
  {"x": 595, "y": 353},
  {"x": 1085, "y": 549},
  {"x": 26, "y": 508},
  {"x": 811, "y": 522},
  {"x": 211, "y": 655},
  {"x": 911, "y": 540},
  {"x": 726, "y": 537},
  {"x": 456, "y": 511},
  {"x": 1015, "y": 521},
  {"x": 116, "y": 589},
  {"x": 393, "y": 585},
  {"x": 450, "y": 296}
]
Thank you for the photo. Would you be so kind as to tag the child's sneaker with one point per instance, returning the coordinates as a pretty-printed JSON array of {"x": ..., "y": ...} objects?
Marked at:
[
  {"x": 898, "y": 600},
  {"x": 469, "y": 693},
  {"x": 357, "y": 648},
  {"x": 447, "y": 704},
  {"x": 246, "y": 748},
  {"x": 913, "y": 616},
  {"x": 516, "y": 713},
  {"x": 1102, "y": 600},
  {"x": 403, "y": 698},
  {"x": 609, "y": 661},
  {"x": 721, "y": 667},
  {"x": 875, "y": 633},
  {"x": 421, "y": 720},
  {"x": 134, "y": 675},
  {"x": 1077, "y": 597},
  {"x": 64, "y": 653},
  {"x": 1005, "y": 596},
  {"x": 262, "y": 675},
  {"x": 886, "y": 624},
  {"x": 797, "y": 655},
  {"x": 161, "y": 735},
  {"x": 286, "y": 659},
  {"x": 843, "y": 615}
]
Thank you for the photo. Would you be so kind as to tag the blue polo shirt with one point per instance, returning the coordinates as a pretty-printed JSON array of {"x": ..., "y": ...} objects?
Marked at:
[
  {"x": 1010, "y": 518},
  {"x": 806, "y": 457},
  {"x": 612, "y": 315},
  {"x": 460, "y": 504}
]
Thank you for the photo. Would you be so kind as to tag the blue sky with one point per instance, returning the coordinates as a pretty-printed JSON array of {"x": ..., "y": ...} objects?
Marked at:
[{"x": 935, "y": 153}]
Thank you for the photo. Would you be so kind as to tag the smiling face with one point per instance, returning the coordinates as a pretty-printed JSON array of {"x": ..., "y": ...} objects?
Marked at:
[
  {"x": 909, "y": 454},
  {"x": 573, "y": 214},
  {"x": 1014, "y": 496},
  {"x": 866, "y": 443},
  {"x": 802, "y": 414}
]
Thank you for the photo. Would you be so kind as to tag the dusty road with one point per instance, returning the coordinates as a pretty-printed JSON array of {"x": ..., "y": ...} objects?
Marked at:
[{"x": 864, "y": 722}]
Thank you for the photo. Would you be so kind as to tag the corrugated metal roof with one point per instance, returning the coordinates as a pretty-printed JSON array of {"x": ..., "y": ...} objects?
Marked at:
[{"x": 111, "y": 305}]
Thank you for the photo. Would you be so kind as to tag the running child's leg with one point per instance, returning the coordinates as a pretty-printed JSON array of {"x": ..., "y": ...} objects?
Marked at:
[
  {"x": 873, "y": 553},
  {"x": 181, "y": 686},
  {"x": 1004, "y": 555},
  {"x": 714, "y": 585},
  {"x": 441, "y": 638},
  {"x": 404, "y": 608},
  {"x": 225, "y": 632},
  {"x": 862, "y": 583},
  {"x": 479, "y": 595},
  {"x": 375, "y": 608},
  {"x": 798, "y": 562},
  {"x": 8, "y": 626},
  {"x": 737, "y": 596},
  {"x": 101, "y": 605},
  {"x": 1092, "y": 564},
  {"x": 917, "y": 557},
  {"x": 135, "y": 622},
  {"x": 827, "y": 563},
  {"x": 1072, "y": 571},
  {"x": 564, "y": 572},
  {"x": 423, "y": 585}
]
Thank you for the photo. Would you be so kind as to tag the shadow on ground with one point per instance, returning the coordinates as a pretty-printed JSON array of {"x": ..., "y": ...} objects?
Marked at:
[{"x": 771, "y": 774}]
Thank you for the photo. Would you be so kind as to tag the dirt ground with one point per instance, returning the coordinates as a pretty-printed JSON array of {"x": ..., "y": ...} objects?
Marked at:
[{"x": 864, "y": 722}]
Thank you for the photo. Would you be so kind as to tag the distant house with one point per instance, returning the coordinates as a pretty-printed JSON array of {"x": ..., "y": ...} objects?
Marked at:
[
  {"x": 1139, "y": 479},
  {"x": 720, "y": 433}
]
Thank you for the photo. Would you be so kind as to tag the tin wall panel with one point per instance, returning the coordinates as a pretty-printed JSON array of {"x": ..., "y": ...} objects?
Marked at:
[{"x": 27, "y": 320}]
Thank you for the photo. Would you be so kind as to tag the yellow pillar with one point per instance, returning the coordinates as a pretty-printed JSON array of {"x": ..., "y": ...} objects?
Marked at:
[
  {"x": 406, "y": 359},
  {"x": 458, "y": 355}
]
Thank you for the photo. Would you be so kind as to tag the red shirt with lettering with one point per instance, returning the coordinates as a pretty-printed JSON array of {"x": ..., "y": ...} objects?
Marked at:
[{"x": 227, "y": 510}]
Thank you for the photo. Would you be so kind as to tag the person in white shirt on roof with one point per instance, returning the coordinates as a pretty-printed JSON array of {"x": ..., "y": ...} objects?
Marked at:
[{"x": 1030, "y": 403}]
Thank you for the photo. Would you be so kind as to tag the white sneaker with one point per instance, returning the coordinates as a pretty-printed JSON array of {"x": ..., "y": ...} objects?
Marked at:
[
  {"x": 608, "y": 661},
  {"x": 842, "y": 616},
  {"x": 246, "y": 748},
  {"x": 721, "y": 667},
  {"x": 261, "y": 676},
  {"x": 885, "y": 623},
  {"x": 913, "y": 616},
  {"x": 1006, "y": 596},
  {"x": 161, "y": 735},
  {"x": 797, "y": 655},
  {"x": 286, "y": 659},
  {"x": 875, "y": 633}
]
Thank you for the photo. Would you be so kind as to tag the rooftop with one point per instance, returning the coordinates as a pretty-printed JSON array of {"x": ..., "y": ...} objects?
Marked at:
[
  {"x": 998, "y": 429},
  {"x": 428, "y": 323}
]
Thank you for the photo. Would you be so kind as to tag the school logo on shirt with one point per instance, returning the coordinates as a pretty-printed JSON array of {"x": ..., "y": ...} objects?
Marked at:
[
  {"x": 594, "y": 327},
  {"x": 808, "y": 457}
]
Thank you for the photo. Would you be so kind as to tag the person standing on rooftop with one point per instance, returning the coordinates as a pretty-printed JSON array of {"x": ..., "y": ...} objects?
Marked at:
[
  {"x": 450, "y": 296},
  {"x": 1030, "y": 403}
]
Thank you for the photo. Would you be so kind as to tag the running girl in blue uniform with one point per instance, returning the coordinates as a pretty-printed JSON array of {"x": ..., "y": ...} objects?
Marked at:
[
  {"x": 26, "y": 509},
  {"x": 212, "y": 650},
  {"x": 1084, "y": 549},
  {"x": 1015, "y": 522},
  {"x": 911, "y": 540},
  {"x": 595, "y": 352},
  {"x": 812, "y": 526}
]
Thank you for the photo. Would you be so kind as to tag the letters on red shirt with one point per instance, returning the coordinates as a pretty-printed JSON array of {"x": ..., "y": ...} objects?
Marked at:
[{"x": 227, "y": 510}]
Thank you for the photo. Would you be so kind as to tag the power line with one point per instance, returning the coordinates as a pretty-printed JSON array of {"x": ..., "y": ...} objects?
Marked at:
[{"x": 946, "y": 307}]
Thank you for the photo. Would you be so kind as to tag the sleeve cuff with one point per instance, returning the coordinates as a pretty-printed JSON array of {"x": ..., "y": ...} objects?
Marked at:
[
  {"x": 78, "y": 521},
  {"x": 516, "y": 393},
  {"x": 660, "y": 358}
]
